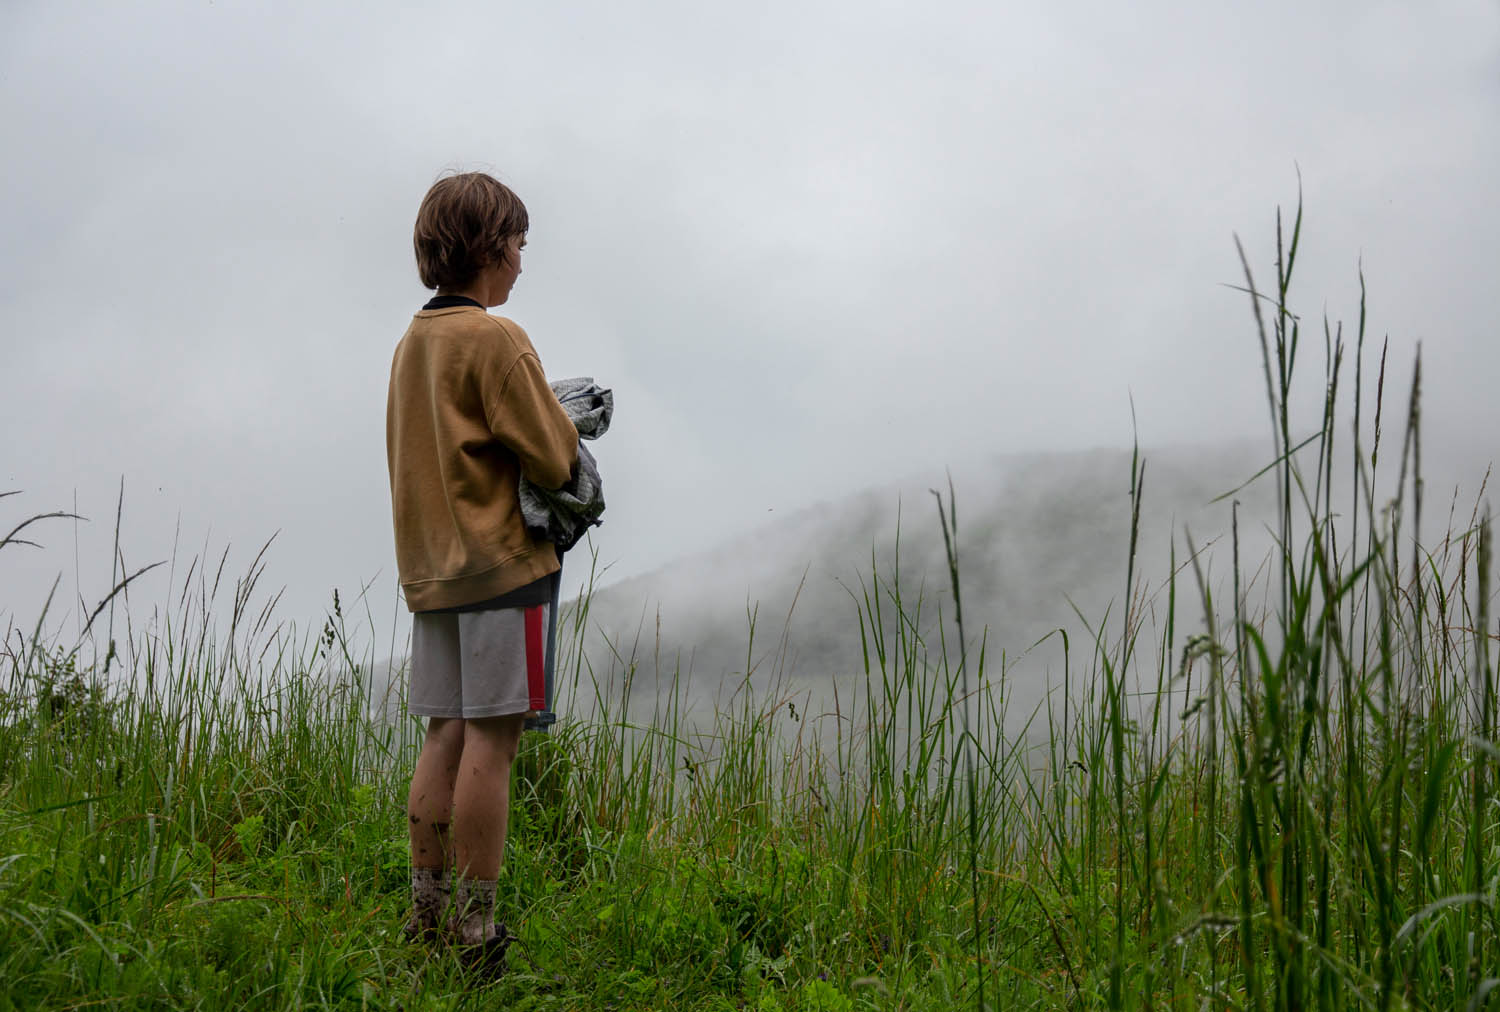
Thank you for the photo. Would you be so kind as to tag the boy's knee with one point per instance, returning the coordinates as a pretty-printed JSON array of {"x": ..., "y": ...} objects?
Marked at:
[
  {"x": 498, "y": 735},
  {"x": 444, "y": 735}
]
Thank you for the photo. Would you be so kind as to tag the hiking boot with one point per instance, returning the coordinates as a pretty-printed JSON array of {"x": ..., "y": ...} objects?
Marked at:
[{"x": 486, "y": 959}]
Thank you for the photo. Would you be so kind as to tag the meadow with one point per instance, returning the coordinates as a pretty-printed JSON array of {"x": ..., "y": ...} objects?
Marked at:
[{"x": 1290, "y": 806}]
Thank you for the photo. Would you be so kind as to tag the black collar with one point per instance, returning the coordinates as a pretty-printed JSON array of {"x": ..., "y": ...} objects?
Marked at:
[{"x": 450, "y": 301}]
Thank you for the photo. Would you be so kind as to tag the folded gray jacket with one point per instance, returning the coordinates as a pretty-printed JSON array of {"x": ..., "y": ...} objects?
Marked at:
[{"x": 563, "y": 515}]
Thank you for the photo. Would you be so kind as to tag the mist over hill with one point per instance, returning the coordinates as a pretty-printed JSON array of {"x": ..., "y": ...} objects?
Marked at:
[{"x": 1042, "y": 540}]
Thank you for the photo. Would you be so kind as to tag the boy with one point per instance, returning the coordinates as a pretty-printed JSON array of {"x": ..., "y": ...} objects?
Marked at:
[{"x": 469, "y": 413}]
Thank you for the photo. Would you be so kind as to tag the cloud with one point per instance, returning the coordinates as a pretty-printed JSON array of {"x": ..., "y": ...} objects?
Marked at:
[{"x": 812, "y": 246}]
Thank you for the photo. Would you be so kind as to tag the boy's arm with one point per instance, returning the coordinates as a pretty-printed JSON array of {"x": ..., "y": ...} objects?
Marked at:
[{"x": 524, "y": 415}]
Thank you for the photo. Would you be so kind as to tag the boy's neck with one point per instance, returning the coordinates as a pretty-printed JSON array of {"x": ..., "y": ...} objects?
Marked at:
[{"x": 450, "y": 300}]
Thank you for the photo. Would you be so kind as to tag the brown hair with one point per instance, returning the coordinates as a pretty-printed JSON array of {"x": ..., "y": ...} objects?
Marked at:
[{"x": 462, "y": 227}]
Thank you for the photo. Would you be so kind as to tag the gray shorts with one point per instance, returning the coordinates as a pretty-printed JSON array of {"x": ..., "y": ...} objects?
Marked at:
[{"x": 479, "y": 663}]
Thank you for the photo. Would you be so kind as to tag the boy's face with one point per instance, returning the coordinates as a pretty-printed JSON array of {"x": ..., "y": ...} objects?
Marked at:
[{"x": 500, "y": 278}]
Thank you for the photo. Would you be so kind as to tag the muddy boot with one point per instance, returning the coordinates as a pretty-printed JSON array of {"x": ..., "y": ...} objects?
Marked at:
[
  {"x": 480, "y": 939},
  {"x": 431, "y": 890}
]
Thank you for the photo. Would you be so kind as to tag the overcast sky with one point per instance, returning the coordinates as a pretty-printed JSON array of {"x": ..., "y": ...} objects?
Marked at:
[{"x": 813, "y": 246}]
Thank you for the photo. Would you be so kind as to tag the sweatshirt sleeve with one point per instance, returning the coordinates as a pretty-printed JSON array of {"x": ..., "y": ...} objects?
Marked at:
[{"x": 524, "y": 415}]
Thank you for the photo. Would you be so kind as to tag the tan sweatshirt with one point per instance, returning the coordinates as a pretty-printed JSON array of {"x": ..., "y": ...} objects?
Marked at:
[{"x": 469, "y": 412}]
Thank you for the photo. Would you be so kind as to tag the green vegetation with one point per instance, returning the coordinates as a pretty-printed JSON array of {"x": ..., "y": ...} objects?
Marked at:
[{"x": 1219, "y": 809}]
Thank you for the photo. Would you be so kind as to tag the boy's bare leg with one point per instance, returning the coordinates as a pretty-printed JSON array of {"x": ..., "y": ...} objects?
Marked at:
[
  {"x": 429, "y": 806},
  {"x": 481, "y": 811}
]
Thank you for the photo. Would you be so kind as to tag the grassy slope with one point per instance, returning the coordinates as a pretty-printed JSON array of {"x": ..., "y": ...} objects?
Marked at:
[{"x": 222, "y": 828}]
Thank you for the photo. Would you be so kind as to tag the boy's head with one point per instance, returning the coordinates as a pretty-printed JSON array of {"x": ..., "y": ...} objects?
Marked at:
[{"x": 463, "y": 226}]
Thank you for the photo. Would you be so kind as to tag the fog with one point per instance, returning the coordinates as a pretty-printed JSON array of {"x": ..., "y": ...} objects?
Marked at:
[
  {"x": 1043, "y": 544},
  {"x": 1043, "y": 547},
  {"x": 815, "y": 248}
]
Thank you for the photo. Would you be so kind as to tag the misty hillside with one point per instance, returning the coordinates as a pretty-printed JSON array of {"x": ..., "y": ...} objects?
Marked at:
[{"x": 1036, "y": 532}]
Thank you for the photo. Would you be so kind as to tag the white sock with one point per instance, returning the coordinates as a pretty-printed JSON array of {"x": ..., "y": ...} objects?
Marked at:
[
  {"x": 474, "y": 903},
  {"x": 430, "y": 892}
]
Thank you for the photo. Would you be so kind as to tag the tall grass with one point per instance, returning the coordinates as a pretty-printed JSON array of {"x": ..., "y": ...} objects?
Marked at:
[{"x": 1222, "y": 806}]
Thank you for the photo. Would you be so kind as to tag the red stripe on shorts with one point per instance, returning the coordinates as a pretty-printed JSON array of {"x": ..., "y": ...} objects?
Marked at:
[{"x": 536, "y": 658}]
